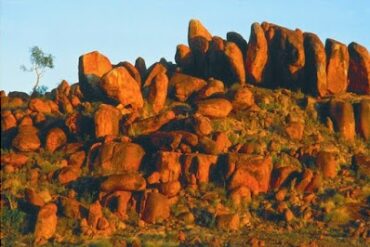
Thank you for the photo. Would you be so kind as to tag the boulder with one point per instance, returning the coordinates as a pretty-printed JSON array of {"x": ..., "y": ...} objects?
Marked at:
[
  {"x": 341, "y": 113},
  {"x": 198, "y": 166},
  {"x": 27, "y": 139},
  {"x": 141, "y": 67},
  {"x": 119, "y": 85},
  {"x": 304, "y": 180},
  {"x": 315, "y": 65},
  {"x": 281, "y": 175},
  {"x": 77, "y": 159},
  {"x": 196, "y": 29},
  {"x": 91, "y": 68},
  {"x": 228, "y": 222},
  {"x": 202, "y": 125},
  {"x": 327, "y": 164},
  {"x": 116, "y": 158},
  {"x": 33, "y": 198},
  {"x": 257, "y": 55},
  {"x": 243, "y": 99},
  {"x": 8, "y": 121},
  {"x": 363, "y": 119},
  {"x": 337, "y": 58},
  {"x": 253, "y": 172},
  {"x": 132, "y": 70},
  {"x": 106, "y": 121},
  {"x": 359, "y": 69},
  {"x": 170, "y": 189},
  {"x": 214, "y": 108},
  {"x": 55, "y": 139},
  {"x": 238, "y": 39},
  {"x": 213, "y": 87},
  {"x": 184, "y": 58},
  {"x": 157, "y": 208},
  {"x": 150, "y": 125},
  {"x": 295, "y": 130},
  {"x": 14, "y": 159},
  {"x": 43, "y": 106},
  {"x": 68, "y": 174},
  {"x": 168, "y": 165},
  {"x": 236, "y": 63},
  {"x": 158, "y": 92},
  {"x": 185, "y": 85},
  {"x": 46, "y": 223},
  {"x": 95, "y": 214},
  {"x": 71, "y": 208},
  {"x": 132, "y": 181},
  {"x": 217, "y": 61}
]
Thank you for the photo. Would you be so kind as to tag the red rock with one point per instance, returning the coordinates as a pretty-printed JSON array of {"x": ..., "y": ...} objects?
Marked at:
[
  {"x": 26, "y": 121},
  {"x": 134, "y": 72},
  {"x": 315, "y": 183},
  {"x": 186, "y": 85},
  {"x": 253, "y": 172},
  {"x": 217, "y": 61},
  {"x": 228, "y": 222},
  {"x": 202, "y": 125},
  {"x": 150, "y": 125},
  {"x": 363, "y": 119},
  {"x": 8, "y": 121},
  {"x": 196, "y": 29},
  {"x": 295, "y": 130},
  {"x": 238, "y": 39},
  {"x": 337, "y": 66},
  {"x": 305, "y": 180},
  {"x": 199, "y": 166},
  {"x": 341, "y": 112},
  {"x": 359, "y": 69},
  {"x": 157, "y": 208},
  {"x": 170, "y": 189},
  {"x": 241, "y": 195},
  {"x": 14, "y": 159},
  {"x": 236, "y": 62},
  {"x": 27, "y": 139},
  {"x": 141, "y": 67},
  {"x": 315, "y": 66},
  {"x": 215, "y": 108},
  {"x": 39, "y": 105},
  {"x": 95, "y": 213},
  {"x": 213, "y": 87},
  {"x": 91, "y": 68},
  {"x": 119, "y": 85},
  {"x": 158, "y": 92},
  {"x": 126, "y": 181},
  {"x": 33, "y": 198},
  {"x": 55, "y": 139},
  {"x": 116, "y": 158},
  {"x": 169, "y": 166},
  {"x": 68, "y": 174},
  {"x": 281, "y": 174},
  {"x": 243, "y": 99},
  {"x": 257, "y": 55},
  {"x": 77, "y": 159},
  {"x": 184, "y": 57},
  {"x": 71, "y": 208},
  {"x": 327, "y": 164},
  {"x": 46, "y": 223},
  {"x": 153, "y": 71},
  {"x": 106, "y": 121}
]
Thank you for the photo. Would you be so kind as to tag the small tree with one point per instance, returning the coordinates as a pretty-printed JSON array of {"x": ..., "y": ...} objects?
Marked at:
[{"x": 40, "y": 62}]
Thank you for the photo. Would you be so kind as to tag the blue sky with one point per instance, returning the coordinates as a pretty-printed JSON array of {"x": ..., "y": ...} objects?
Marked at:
[{"x": 124, "y": 30}]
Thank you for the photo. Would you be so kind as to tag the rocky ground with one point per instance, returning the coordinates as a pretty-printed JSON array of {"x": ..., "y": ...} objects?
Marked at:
[{"x": 258, "y": 143}]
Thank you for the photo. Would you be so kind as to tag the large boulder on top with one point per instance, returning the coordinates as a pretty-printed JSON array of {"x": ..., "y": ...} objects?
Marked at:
[
  {"x": 119, "y": 85},
  {"x": 157, "y": 208},
  {"x": 46, "y": 223},
  {"x": 55, "y": 139},
  {"x": 196, "y": 29},
  {"x": 27, "y": 139},
  {"x": 257, "y": 55},
  {"x": 359, "y": 69},
  {"x": 153, "y": 71},
  {"x": 315, "y": 67},
  {"x": 115, "y": 158},
  {"x": 337, "y": 58},
  {"x": 341, "y": 112},
  {"x": 217, "y": 61},
  {"x": 43, "y": 106},
  {"x": 185, "y": 85},
  {"x": 184, "y": 58},
  {"x": 216, "y": 108},
  {"x": 91, "y": 67},
  {"x": 236, "y": 63},
  {"x": 238, "y": 39},
  {"x": 363, "y": 119},
  {"x": 132, "y": 70},
  {"x": 106, "y": 121}
]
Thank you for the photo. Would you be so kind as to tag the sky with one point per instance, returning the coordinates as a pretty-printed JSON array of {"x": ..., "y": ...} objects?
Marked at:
[{"x": 124, "y": 30}]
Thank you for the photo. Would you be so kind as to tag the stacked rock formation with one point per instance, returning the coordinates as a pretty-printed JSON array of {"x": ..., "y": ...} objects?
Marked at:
[{"x": 152, "y": 134}]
